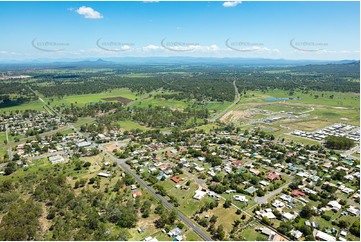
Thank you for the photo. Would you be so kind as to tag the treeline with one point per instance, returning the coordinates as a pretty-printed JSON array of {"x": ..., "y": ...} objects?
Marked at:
[
  {"x": 14, "y": 93},
  {"x": 55, "y": 210},
  {"x": 290, "y": 82},
  {"x": 200, "y": 87},
  {"x": 73, "y": 112},
  {"x": 339, "y": 143},
  {"x": 139, "y": 85}
]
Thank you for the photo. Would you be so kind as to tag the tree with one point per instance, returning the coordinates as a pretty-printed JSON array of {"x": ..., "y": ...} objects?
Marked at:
[
  {"x": 220, "y": 234},
  {"x": 172, "y": 217},
  {"x": 213, "y": 219},
  {"x": 355, "y": 228},
  {"x": 306, "y": 212},
  {"x": 343, "y": 224},
  {"x": 266, "y": 220},
  {"x": 10, "y": 168},
  {"x": 21, "y": 222},
  {"x": 227, "y": 203},
  {"x": 117, "y": 185},
  {"x": 339, "y": 143}
]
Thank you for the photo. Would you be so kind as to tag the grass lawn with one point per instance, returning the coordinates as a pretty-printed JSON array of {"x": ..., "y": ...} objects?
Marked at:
[
  {"x": 250, "y": 234},
  {"x": 192, "y": 236},
  {"x": 2, "y": 137},
  {"x": 129, "y": 125},
  {"x": 226, "y": 216},
  {"x": 33, "y": 105}
]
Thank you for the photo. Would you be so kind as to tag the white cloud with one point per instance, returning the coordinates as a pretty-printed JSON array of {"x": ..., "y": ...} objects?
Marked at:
[
  {"x": 231, "y": 4},
  {"x": 88, "y": 12},
  {"x": 151, "y": 47}
]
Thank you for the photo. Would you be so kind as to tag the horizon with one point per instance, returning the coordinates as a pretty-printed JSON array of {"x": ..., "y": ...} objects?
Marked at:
[{"x": 325, "y": 31}]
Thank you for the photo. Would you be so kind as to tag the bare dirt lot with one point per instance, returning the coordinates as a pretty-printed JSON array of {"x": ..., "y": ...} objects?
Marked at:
[
  {"x": 119, "y": 99},
  {"x": 233, "y": 116}
]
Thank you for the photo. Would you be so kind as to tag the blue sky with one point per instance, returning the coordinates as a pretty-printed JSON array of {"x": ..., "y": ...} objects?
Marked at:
[{"x": 290, "y": 30}]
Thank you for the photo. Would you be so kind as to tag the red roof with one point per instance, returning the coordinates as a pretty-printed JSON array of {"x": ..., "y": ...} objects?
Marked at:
[
  {"x": 273, "y": 176},
  {"x": 165, "y": 167},
  {"x": 176, "y": 179},
  {"x": 297, "y": 193},
  {"x": 237, "y": 163},
  {"x": 137, "y": 193}
]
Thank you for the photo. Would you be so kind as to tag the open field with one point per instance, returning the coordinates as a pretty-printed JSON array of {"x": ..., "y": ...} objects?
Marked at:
[
  {"x": 34, "y": 105},
  {"x": 81, "y": 100},
  {"x": 129, "y": 125}
]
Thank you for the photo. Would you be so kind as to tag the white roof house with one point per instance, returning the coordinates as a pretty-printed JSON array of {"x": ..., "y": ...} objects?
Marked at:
[
  {"x": 323, "y": 236},
  {"x": 353, "y": 211},
  {"x": 102, "y": 174},
  {"x": 296, "y": 233},
  {"x": 334, "y": 205},
  {"x": 199, "y": 195},
  {"x": 240, "y": 198},
  {"x": 56, "y": 159},
  {"x": 288, "y": 216}
]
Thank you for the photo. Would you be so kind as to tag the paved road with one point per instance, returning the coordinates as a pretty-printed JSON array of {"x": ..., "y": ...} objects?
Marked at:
[
  {"x": 201, "y": 183},
  {"x": 351, "y": 151},
  {"x": 263, "y": 200},
  {"x": 124, "y": 166}
]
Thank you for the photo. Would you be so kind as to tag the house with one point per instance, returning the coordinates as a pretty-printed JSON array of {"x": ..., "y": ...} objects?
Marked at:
[
  {"x": 240, "y": 198},
  {"x": 288, "y": 216},
  {"x": 133, "y": 187},
  {"x": 176, "y": 179},
  {"x": 56, "y": 159},
  {"x": 199, "y": 169},
  {"x": 152, "y": 169},
  {"x": 287, "y": 198},
  {"x": 254, "y": 171},
  {"x": 137, "y": 194},
  {"x": 266, "y": 231},
  {"x": 150, "y": 239},
  {"x": 278, "y": 204},
  {"x": 83, "y": 144},
  {"x": 334, "y": 205},
  {"x": 199, "y": 195},
  {"x": 266, "y": 213},
  {"x": 353, "y": 211},
  {"x": 343, "y": 233},
  {"x": 102, "y": 174},
  {"x": 296, "y": 233},
  {"x": 273, "y": 176},
  {"x": 175, "y": 232},
  {"x": 297, "y": 193},
  {"x": 323, "y": 236}
]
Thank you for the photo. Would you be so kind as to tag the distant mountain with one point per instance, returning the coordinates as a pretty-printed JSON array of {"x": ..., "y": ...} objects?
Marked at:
[
  {"x": 262, "y": 62},
  {"x": 345, "y": 67}
]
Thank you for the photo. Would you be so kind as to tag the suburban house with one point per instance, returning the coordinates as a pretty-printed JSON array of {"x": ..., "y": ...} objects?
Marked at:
[
  {"x": 199, "y": 195},
  {"x": 323, "y": 236},
  {"x": 271, "y": 175},
  {"x": 176, "y": 179},
  {"x": 297, "y": 193},
  {"x": 334, "y": 205}
]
